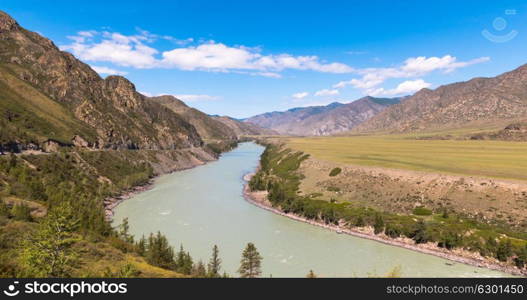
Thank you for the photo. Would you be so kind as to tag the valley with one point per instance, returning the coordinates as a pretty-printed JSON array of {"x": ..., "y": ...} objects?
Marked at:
[{"x": 119, "y": 181}]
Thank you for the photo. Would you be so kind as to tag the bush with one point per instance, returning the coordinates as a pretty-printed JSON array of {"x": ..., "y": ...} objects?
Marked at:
[
  {"x": 333, "y": 189},
  {"x": 378, "y": 226},
  {"x": 392, "y": 230},
  {"x": 504, "y": 250},
  {"x": 422, "y": 211},
  {"x": 4, "y": 210},
  {"x": 21, "y": 212},
  {"x": 335, "y": 172}
]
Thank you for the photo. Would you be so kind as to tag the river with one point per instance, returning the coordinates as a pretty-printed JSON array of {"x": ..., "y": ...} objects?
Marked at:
[{"x": 204, "y": 206}]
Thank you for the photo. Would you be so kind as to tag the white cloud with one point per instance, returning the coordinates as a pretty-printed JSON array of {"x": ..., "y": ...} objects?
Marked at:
[
  {"x": 136, "y": 51},
  {"x": 185, "y": 97},
  {"x": 327, "y": 92},
  {"x": 220, "y": 57},
  {"x": 128, "y": 51},
  {"x": 268, "y": 74},
  {"x": 300, "y": 95},
  {"x": 411, "y": 67},
  {"x": 423, "y": 65},
  {"x": 108, "y": 71},
  {"x": 404, "y": 88},
  {"x": 196, "y": 98}
]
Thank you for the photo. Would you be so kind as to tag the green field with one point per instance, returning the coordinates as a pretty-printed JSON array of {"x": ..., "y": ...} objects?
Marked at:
[{"x": 496, "y": 159}]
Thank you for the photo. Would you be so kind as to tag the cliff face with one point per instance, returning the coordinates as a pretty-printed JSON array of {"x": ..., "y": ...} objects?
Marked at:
[{"x": 47, "y": 94}]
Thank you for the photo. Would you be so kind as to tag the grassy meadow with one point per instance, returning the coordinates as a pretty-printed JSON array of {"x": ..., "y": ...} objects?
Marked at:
[{"x": 497, "y": 159}]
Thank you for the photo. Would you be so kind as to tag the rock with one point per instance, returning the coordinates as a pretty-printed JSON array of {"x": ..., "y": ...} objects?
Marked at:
[
  {"x": 78, "y": 141},
  {"x": 51, "y": 146}
]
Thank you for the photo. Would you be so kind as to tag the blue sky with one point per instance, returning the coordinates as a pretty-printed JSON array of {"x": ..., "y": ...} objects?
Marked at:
[{"x": 241, "y": 58}]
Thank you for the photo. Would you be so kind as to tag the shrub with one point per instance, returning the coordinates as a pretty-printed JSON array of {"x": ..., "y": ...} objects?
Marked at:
[
  {"x": 504, "y": 250},
  {"x": 392, "y": 230},
  {"x": 378, "y": 226},
  {"x": 422, "y": 211},
  {"x": 21, "y": 212},
  {"x": 335, "y": 172}
]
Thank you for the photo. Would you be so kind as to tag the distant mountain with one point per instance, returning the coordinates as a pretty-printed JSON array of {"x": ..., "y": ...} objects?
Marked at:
[
  {"x": 244, "y": 128},
  {"x": 323, "y": 120},
  {"x": 208, "y": 127},
  {"x": 211, "y": 127},
  {"x": 478, "y": 101}
]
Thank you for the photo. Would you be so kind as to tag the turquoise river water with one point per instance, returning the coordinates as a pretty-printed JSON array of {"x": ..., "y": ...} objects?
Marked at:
[{"x": 204, "y": 206}]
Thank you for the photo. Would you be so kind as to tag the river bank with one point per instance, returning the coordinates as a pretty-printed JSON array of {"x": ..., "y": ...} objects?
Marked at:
[{"x": 259, "y": 199}]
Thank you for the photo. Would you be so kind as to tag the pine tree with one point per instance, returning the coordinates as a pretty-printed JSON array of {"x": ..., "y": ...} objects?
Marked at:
[
  {"x": 198, "y": 270},
  {"x": 159, "y": 252},
  {"x": 251, "y": 261},
  {"x": 214, "y": 263},
  {"x": 141, "y": 246},
  {"x": 48, "y": 253},
  {"x": 184, "y": 262},
  {"x": 123, "y": 232}
]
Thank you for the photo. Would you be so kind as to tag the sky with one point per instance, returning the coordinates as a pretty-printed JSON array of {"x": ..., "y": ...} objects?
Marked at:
[{"x": 242, "y": 58}]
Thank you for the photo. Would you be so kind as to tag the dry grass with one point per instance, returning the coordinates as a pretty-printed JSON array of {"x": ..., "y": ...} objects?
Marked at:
[{"x": 497, "y": 159}]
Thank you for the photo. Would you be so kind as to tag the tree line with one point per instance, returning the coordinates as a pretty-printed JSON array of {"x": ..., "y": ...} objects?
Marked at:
[{"x": 279, "y": 177}]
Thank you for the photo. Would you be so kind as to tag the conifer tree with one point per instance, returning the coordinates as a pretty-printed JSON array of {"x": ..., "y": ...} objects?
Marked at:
[
  {"x": 48, "y": 253},
  {"x": 214, "y": 263},
  {"x": 250, "y": 265}
]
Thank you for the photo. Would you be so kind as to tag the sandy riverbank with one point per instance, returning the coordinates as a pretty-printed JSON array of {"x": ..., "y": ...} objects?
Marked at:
[{"x": 457, "y": 255}]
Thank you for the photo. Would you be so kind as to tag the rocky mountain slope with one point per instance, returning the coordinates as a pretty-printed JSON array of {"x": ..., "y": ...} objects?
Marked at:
[
  {"x": 477, "y": 101},
  {"x": 50, "y": 97},
  {"x": 211, "y": 127},
  {"x": 244, "y": 128},
  {"x": 207, "y": 127},
  {"x": 323, "y": 120}
]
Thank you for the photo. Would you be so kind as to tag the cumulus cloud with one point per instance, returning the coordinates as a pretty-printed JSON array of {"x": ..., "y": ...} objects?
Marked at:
[
  {"x": 122, "y": 50},
  {"x": 137, "y": 51},
  {"x": 300, "y": 95},
  {"x": 404, "y": 88},
  {"x": 371, "y": 78},
  {"x": 327, "y": 92},
  {"x": 107, "y": 71}
]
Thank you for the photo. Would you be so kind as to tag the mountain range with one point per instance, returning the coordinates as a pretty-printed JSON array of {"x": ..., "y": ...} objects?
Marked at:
[
  {"x": 477, "y": 102},
  {"x": 48, "y": 99},
  {"x": 323, "y": 120}
]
